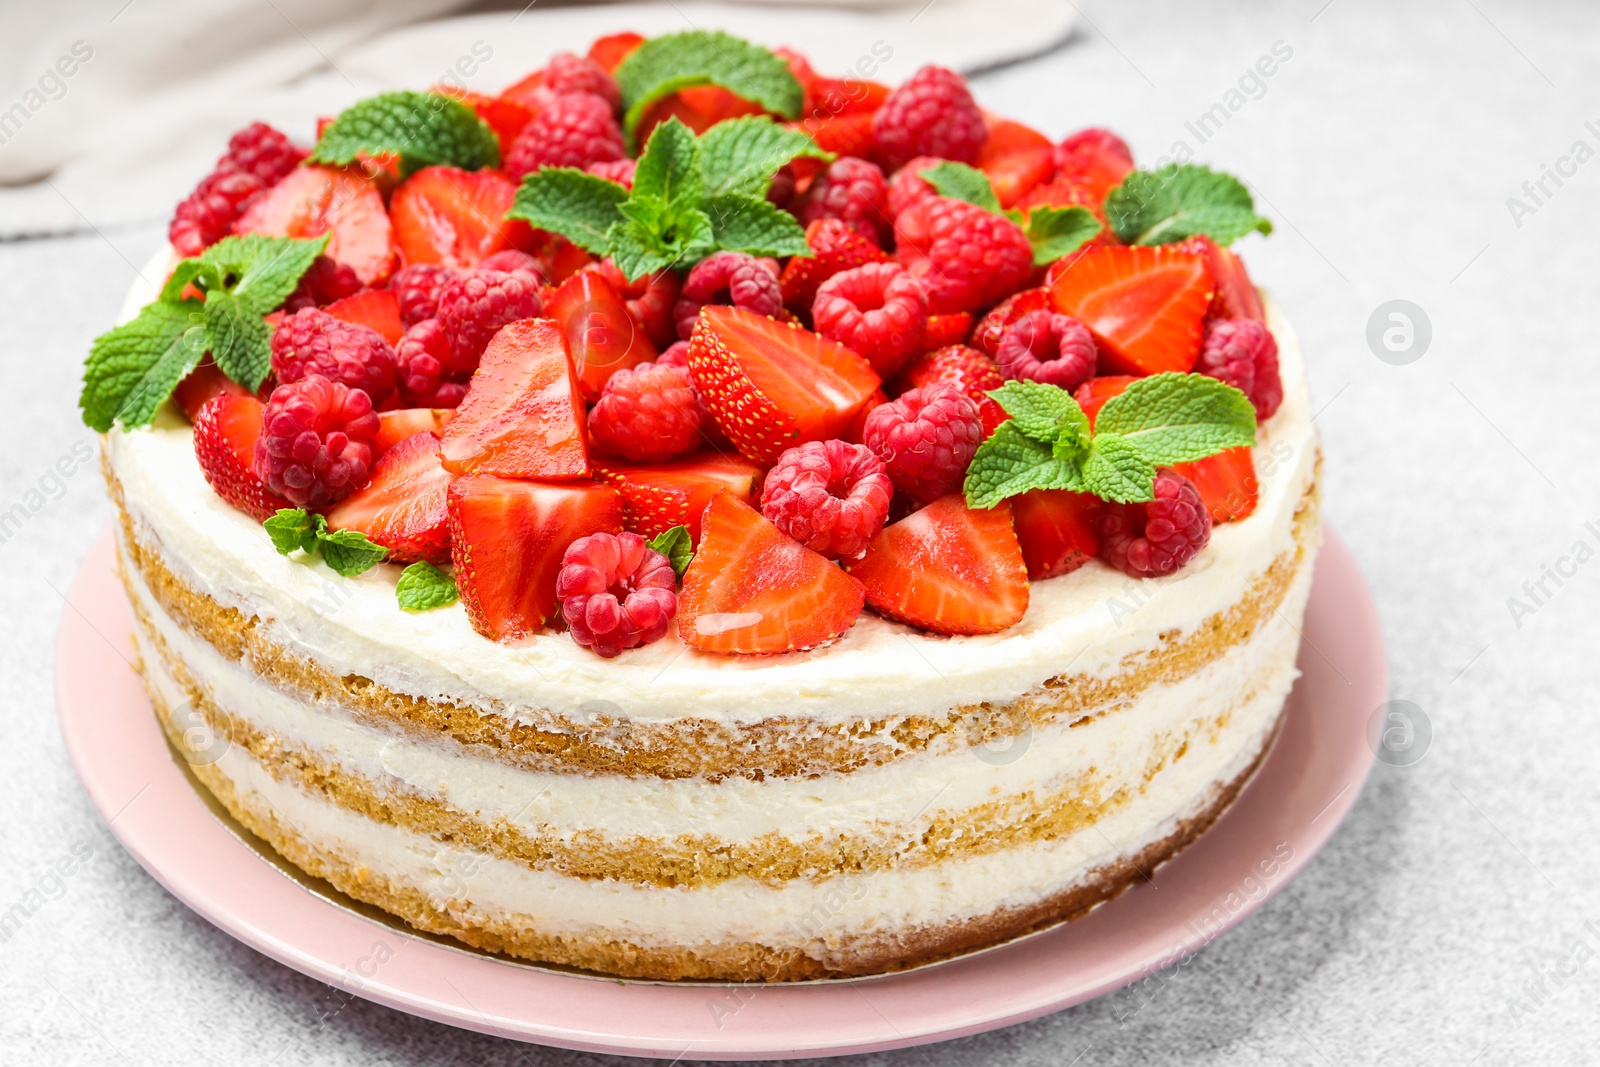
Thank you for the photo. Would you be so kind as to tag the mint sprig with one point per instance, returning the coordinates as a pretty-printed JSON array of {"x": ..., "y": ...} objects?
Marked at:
[
  {"x": 423, "y": 587},
  {"x": 1182, "y": 200},
  {"x": 740, "y": 156},
  {"x": 1048, "y": 442},
  {"x": 676, "y": 545},
  {"x": 958, "y": 181},
  {"x": 1054, "y": 232},
  {"x": 133, "y": 368},
  {"x": 663, "y": 65},
  {"x": 347, "y": 552},
  {"x": 422, "y": 129}
]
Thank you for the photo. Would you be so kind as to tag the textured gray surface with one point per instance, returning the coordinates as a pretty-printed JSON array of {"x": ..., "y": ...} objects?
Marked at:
[{"x": 1445, "y": 923}]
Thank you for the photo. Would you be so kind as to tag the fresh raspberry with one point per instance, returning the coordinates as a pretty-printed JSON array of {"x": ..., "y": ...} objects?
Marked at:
[
  {"x": 1156, "y": 538},
  {"x": 316, "y": 439},
  {"x": 650, "y": 300},
  {"x": 571, "y": 131},
  {"x": 568, "y": 73},
  {"x": 311, "y": 341},
  {"x": 476, "y": 303},
  {"x": 647, "y": 413},
  {"x": 417, "y": 287},
  {"x": 852, "y": 190},
  {"x": 727, "y": 278},
  {"x": 966, "y": 258},
  {"x": 510, "y": 259},
  {"x": 207, "y": 215},
  {"x": 878, "y": 310},
  {"x": 908, "y": 186},
  {"x": 616, "y": 592},
  {"x": 1047, "y": 346},
  {"x": 615, "y": 170},
  {"x": 1243, "y": 353},
  {"x": 1095, "y": 138},
  {"x": 262, "y": 152},
  {"x": 831, "y": 496},
  {"x": 925, "y": 439},
  {"x": 781, "y": 190},
  {"x": 674, "y": 355},
  {"x": 325, "y": 281},
  {"x": 931, "y": 114},
  {"x": 423, "y": 361}
]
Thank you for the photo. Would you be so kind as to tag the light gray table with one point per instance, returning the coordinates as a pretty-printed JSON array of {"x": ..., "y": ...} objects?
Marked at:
[{"x": 1445, "y": 923}]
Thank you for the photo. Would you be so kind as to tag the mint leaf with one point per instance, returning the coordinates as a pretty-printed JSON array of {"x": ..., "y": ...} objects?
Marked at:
[
  {"x": 961, "y": 182},
  {"x": 261, "y": 271},
  {"x": 1055, "y": 232},
  {"x": 1181, "y": 200},
  {"x": 741, "y": 155},
  {"x": 638, "y": 249},
  {"x": 292, "y": 528},
  {"x": 133, "y": 368},
  {"x": 756, "y": 226},
  {"x": 1041, "y": 411},
  {"x": 1116, "y": 470},
  {"x": 423, "y": 129},
  {"x": 663, "y": 65},
  {"x": 422, "y": 587},
  {"x": 581, "y": 207},
  {"x": 240, "y": 340},
  {"x": 349, "y": 552},
  {"x": 1179, "y": 418},
  {"x": 204, "y": 276},
  {"x": 1010, "y": 463},
  {"x": 668, "y": 172},
  {"x": 676, "y": 546}
]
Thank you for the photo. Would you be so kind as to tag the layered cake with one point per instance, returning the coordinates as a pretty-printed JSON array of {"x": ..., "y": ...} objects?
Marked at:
[{"x": 692, "y": 517}]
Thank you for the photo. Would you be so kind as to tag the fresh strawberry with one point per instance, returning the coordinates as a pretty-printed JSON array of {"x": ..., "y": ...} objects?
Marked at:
[
  {"x": 455, "y": 217},
  {"x": 948, "y": 568},
  {"x": 201, "y": 385},
  {"x": 848, "y": 134},
  {"x": 1006, "y": 138},
  {"x": 562, "y": 258},
  {"x": 398, "y": 424},
  {"x": 312, "y": 201},
  {"x": 601, "y": 336},
  {"x": 1095, "y": 159},
  {"x": 1055, "y": 528},
  {"x": 752, "y": 588},
  {"x": 225, "y": 433},
  {"x": 699, "y": 108},
  {"x": 659, "y": 496},
  {"x": 835, "y": 247},
  {"x": 1236, "y": 293},
  {"x": 1145, "y": 306},
  {"x": 843, "y": 96},
  {"x": 1064, "y": 192},
  {"x": 941, "y": 331},
  {"x": 523, "y": 414},
  {"x": 609, "y": 51},
  {"x": 1093, "y": 394},
  {"x": 1016, "y": 158},
  {"x": 402, "y": 507},
  {"x": 975, "y": 372},
  {"x": 503, "y": 115},
  {"x": 376, "y": 309},
  {"x": 769, "y": 385},
  {"x": 1227, "y": 483},
  {"x": 507, "y": 539},
  {"x": 986, "y": 336}
]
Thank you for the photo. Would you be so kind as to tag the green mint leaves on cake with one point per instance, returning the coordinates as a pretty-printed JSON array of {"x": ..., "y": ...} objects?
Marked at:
[
  {"x": 691, "y": 196},
  {"x": 134, "y": 367},
  {"x": 421, "y": 129},
  {"x": 1182, "y": 200},
  {"x": 1048, "y": 442},
  {"x": 677, "y": 546},
  {"x": 347, "y": 552},
  {"x": 423, "y": 587},
  {"x": 1054, "y": 232},
  {"x": 663, "y": 65}
]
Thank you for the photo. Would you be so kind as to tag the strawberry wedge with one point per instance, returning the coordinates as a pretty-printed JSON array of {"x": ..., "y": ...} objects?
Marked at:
[
  {"x": 659, "y": 496},
  {"x": 403, "y": 507},
  {"x": 312, "y": 201},
  {"x": 455, "y": 217},
  {"x": 1145, "y": 306},
  {"x": 601, "y": 336}
]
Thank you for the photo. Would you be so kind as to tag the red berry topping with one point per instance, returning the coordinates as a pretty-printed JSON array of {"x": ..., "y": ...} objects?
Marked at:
[
  {"x": 311, "y": 341},
  {"x": 313, "y": 200},
  {"x": 973, "y": 371},
  {"x": 403, "y": 507},
  {"x": 418, "y": 285},
  {"x": 986, "y": 335},
  {"x": 1044, "y": 346},
  {"x": 931, "y": 114},
  {"x": 649, "y": 299},
  {"x": 207, "y": 215},
  {"x": 1154, "y": 539},
  {"x": 831, "y": 496},
  {"x": 568, "y": 73},
  {"x": 510, "y": 259},
  {"x": 647, "y": 413},
  {"x": 261, "y": 152},
  {"x": 426, "y": 372},
  {"x": 908, "y": 186},
  {"x": 943, "y": 331},
  {"x": 674, "y": 355},
  {"x": 1144, "y": 305},
  {"x": 879, "y": 310},
  {"x": 851, "y": 190},
  {"x": 574, "y": 130},
  {"x": 616, "y": 592},
  {"x": 225, "y": 434},
  {"x": 476, "y": 303},
  {"x": 926, "y": 439},
  {"x": 966, "y": 258},
  {"x": 325, "y": 281},
  {"x": 1098, "y": 138},
  {"x": 1243, "y": 353},
  {"x": 455, "y": 217},
  {"x": 316, "y": 441},
  {"x": 735, "y": 278},
  {"x": 835, "y": 247},
  {"x": 615, "y": 170}
]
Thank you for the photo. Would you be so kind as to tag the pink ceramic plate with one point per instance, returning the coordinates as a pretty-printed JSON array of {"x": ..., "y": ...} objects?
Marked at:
[{"x": 1305, "y": 787}]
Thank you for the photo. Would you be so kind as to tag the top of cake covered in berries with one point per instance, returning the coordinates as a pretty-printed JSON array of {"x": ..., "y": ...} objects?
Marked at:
[{"x": 680, "y": 335}]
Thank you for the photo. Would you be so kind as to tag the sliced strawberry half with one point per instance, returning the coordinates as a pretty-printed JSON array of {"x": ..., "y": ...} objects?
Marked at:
[
  {"x": 699, "y": 108},
  {"x": 1237, "y": 297},
  {"x": 376, "y": 309},
  {"x": 1017, "y": 159},
  {"x": 848, "y": 134},
  {"x": 609, "y": 51},
  {"x": 455, "y": 217},
  {"x": 1056, "y": 530},
  {"x": 1093, "y": 394},
  {"x": 523, "y": 414},
  {"x": 1145, "y": 306},
  {"x": 753, "y": 589},
  {"x": 398, "y": 424},
  {"x": 601, "y": 336},
  {"x": 402, "y": 507},
  {"x": 769, "y": 385},
  {"x": 507, "y": 539},
  {"x": 659, "y": 496},
  {"x": 1227, "y": 483},
  {"x": 225, "y": 432},
  {"x": 503, "y": 115},
  {"x": 843, "y": 96},
  {"x": 312, "y": 201},
  {"x": 202, "y": 384},
  {"x": 948, "y": 568},
  {"x": 835, "y": 246}
]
